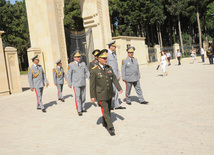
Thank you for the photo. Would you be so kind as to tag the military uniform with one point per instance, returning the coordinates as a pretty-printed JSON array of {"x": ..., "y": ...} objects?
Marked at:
[
  {"x": 77, "y": 73},
  {"x": 36, "y": 79},
  {"x": 58, "y": 77},
  {"x": 131, "y": 75},
  {"x": 112, "y": 61},
  {"x": 94, "y": 62},
  {"x": 101, "y": 88}
]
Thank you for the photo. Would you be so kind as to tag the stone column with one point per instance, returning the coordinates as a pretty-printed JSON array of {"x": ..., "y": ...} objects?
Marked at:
[
  {"x": 95, "y": 14},
  {"x": 45, "y": 20},
  {"x": 13, "y": 70},
  {"x": 157, "y": 49},
  {"x": 205, "y": 45},
  {"x": 4, "y": 87},
  {"x": 175, "y": 48},
  {"x": 31, "y": 52}
]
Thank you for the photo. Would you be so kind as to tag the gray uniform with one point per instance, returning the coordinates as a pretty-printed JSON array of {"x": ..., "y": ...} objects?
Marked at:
[
  {"x": 58, "y": 77},
  {"x": 112, "y": 61},
  {"x": 131, "y": 73},
  {"x": 76, "y": 77},
  {"x": 36, "y": 79}
]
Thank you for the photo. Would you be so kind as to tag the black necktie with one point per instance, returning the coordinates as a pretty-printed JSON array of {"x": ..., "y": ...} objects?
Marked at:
[
  {"x": 104, "y": 68},
  {"x": 132, "y": 60}
]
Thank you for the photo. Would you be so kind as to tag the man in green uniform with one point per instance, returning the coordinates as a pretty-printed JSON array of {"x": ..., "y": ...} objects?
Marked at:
[
  {"x": 101, "y": 88},
  {"x": 95, "y": 61}
]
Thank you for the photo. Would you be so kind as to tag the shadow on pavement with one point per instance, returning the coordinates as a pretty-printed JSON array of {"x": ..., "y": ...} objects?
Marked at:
[
  {"x": 50, "y": 104},
  {"x": 133, "y": 98},
  {"x": 25, "y": 88},
  {"x": 67, "y": 96},
  {"x": 114, "y": 117},
  {"x": 89, "y": 104}
]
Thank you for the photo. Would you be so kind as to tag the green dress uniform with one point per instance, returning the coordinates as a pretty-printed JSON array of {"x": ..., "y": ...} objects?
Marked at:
[
  {"x": 101, "y": 88},
  {"x": 94, "y": 62}
]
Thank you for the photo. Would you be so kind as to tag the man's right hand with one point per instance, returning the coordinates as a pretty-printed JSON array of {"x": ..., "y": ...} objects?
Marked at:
[
  {"x": 93, "y": 100},
  {"x": 124, "y": 81},
  {"x": 70, "y": 86},
  {"x": 55, "y": 84},
  {"x": 32, "y": 89}
]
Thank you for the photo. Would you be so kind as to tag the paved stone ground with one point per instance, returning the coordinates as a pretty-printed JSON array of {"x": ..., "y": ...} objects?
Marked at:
[{"x": 178, "y": 120}]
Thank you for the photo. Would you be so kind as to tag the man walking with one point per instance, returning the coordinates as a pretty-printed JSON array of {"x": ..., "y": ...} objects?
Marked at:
[
  {"x": 95, "y": 61},
  {"x": 131, "y": 76},
  {"x": 202, "y": 54},
  {"x": 210, "y": 55},
  {"x": 112, "y": 61},
  {"x": 36, "y": 79},
  {"x": 58, "y": 77},
  {"x": 179, "y": 56},
  {"x": 102, "y": 79},
  {"x": 77, "y": 73}
]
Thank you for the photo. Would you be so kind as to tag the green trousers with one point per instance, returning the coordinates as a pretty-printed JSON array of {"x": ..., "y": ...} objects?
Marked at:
[{"x": 106, "y": 112}]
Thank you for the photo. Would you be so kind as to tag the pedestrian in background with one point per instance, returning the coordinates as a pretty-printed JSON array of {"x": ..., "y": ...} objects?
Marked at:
[
  {"x": 210, "y": 55},
  {"x": 202, "y": 54},
  {"x": 193, "y": 55},
  {"x": 179, "y": 56},
  {"x": 169, "y": 57},
  {"x": 163, "y": 62}
]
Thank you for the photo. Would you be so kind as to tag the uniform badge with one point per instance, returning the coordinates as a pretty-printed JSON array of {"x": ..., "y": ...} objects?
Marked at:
[
  {"x": 28, "y": 69},
  {"x": 109, "y": 72},
  {"x": 122, "y": 63},
  {"x": 68, "y": 67},
  {"x": 53, "y": 70}
]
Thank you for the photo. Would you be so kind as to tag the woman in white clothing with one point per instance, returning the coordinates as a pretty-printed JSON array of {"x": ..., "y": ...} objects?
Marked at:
[
  {"x": 193, "y": 55},
  {"x": 163, "y": 61}
]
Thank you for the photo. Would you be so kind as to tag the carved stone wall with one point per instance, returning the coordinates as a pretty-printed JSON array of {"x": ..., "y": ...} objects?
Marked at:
[{"x": 4, "y": 87}]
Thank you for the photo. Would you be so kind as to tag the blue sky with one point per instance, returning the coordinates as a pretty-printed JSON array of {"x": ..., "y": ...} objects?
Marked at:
[{"x": 13, "y": 1}]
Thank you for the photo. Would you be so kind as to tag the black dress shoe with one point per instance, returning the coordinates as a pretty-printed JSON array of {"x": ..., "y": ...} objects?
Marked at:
[
  {"x": 80, "y": 113},
  {"x": 144, "y": 102},
  {"x": 63, "y": 100},
  {"x": 112, "y": 131},
  {"x": 112, "y": 108},
  {"x": 38, "y": 108},
  {"x": 129, "y": 103},
  {"x": 105, "y": 125},
  {"x": 84, "y": 110},
  {"x": 43, "y": 110},
  {"x": 121, "y": 107},
  {"x": 59, "y": 99}
]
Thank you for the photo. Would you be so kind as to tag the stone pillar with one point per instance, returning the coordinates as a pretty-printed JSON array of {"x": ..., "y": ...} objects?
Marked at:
[
  {"x": 175, "y": 48},
  {"x": 13, "y": 70},
  {"x": 95, "y": 14},
  {"x": 4, "y": 87},
  {"x": 157, "y": 49},
  {"x": 147, "y": 53},
  {"x": 31, "y": 52},
  {"x": 205, "y": 45},
  {"x": 45, "y": 20}
]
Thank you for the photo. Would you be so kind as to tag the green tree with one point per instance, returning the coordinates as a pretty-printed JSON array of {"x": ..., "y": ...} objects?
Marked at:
[
  {"x": 14, "y": 23},
  {"x": 73, "y": 18},
  {"x": 177, "y": 8}
]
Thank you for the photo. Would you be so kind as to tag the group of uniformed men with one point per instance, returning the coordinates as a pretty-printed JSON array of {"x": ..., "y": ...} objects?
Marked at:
[{"x": 104, "y": 78}]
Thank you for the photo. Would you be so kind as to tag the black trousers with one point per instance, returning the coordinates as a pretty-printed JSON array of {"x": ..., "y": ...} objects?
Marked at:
[
  {"x": 202, "y": 57},
  {"x": 168, "y": 59},
  {"x": 210, "y": 59},
  {"x": 179, "y": 60}
]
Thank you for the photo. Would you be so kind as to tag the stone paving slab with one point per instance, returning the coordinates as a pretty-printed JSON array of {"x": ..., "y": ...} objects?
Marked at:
[{"x": 178, "y": 120}]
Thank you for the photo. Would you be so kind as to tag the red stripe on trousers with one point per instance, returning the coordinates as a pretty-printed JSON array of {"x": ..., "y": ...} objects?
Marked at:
[
  {"x": 37, "y": 97},
  {"x": 103, "y": 113},
  {"x": 126, "y": 92},
  {"x": 75, "y": 99},
  {"x": 58, "y": 91}
]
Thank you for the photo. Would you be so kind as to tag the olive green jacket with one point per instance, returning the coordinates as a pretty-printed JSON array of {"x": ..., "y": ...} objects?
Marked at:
[{"x": 101, "y": 81}]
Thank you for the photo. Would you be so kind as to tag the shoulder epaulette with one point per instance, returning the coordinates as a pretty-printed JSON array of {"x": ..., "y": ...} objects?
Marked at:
[{"x": 95, "y": 67}]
